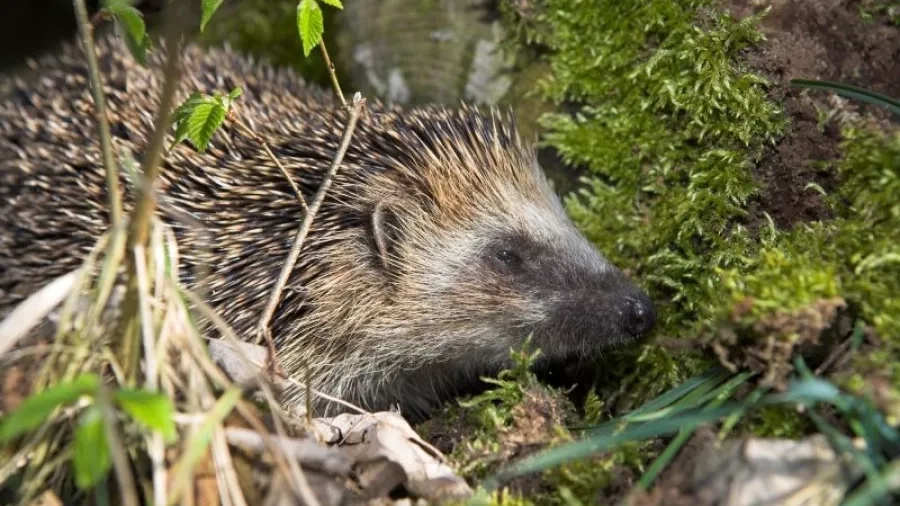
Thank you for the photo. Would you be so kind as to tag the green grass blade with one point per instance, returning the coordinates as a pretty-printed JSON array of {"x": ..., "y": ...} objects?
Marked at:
[
  {"x": 847, "y": 90},
  {"x": 717, "y": 396},
  {"x": 649, "y": 411},
  {"x": 595, "y": 444},
  {"x": 872, "y": 492}
]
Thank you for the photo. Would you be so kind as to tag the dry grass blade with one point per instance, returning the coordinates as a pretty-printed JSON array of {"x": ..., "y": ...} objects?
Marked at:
[
  {"x": 155, "y": 444},
  {"x": 263, "y": 327},
  {"x": 121, "y": 464},
  {"x": 33, "y": 309}
]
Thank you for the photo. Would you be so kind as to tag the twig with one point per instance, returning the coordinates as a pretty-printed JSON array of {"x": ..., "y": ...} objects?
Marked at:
[
  {"x": 333, "y": 74},
  {"x": 265, "y": 145},
  {"x": 263, "y": 327},
  {"x": 30, "y": 312},
  {"x": 305, "y": 451},
  {"x": 86, "y": 29}
]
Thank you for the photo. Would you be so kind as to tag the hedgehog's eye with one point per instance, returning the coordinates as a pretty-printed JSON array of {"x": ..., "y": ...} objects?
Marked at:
[{"x": 508, "y": 258}]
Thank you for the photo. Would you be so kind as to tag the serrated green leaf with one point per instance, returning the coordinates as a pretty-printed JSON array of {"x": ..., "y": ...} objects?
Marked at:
[
  {"x": 310, "y": 24},
  {"x": 334, "y": 3},
  {"x": 37, "y": 408},
  {"x": 90, "y": 460},
  {"x": 203, "y": 123},
  {"x": 197, "y": 119},
  {"x": 208, "y": 8},
  {"x": 131, "y": 19},
  {"x": 151, "y": 409},
  {"x": 235, "y": 93}
]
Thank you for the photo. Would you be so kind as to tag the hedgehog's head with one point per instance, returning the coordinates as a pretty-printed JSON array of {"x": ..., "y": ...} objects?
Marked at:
[{"x": 482, "y": 255}]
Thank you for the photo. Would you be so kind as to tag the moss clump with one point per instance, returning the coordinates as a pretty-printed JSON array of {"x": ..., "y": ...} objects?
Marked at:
[
  {"x": 519, "y": 416},
  {"x": 670, "y": 128},
  {"x": 671, "y": 125}
]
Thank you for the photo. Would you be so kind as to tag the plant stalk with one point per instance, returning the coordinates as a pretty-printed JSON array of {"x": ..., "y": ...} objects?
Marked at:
[{"x": 86, "y": 30}]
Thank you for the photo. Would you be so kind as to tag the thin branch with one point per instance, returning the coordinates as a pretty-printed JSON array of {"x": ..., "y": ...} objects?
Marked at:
[
  {"x": 263, "y": 327},
  {"x": 152, "y": 161},
  {"x": 265, "y": 145},
  {"x": 86, "y": 29},
  {"x": 305, "y": 451},
  {"x": 333, "y": 74}
]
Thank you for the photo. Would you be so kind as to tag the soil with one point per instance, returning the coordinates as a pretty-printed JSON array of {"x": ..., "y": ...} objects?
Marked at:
[{"x": 817, "y": 39}]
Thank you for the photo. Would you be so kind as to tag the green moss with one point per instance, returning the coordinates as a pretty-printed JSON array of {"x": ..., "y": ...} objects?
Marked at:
[
  {"x": 519, "y": 415},
  {"x": 776, "y": 422},
  {"x": 671, "y": 124}
]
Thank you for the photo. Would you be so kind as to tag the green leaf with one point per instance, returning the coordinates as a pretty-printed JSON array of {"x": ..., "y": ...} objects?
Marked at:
[
  {"x": 846, "y": 90},
  {"x": 593, "y": 445},
  {"x": 131, "y": 20},
  {"x": 90, "y": 460},
  {"x": 204, "y": 122},
  {"x": 235, "y": 93},
  {"x": 198, "y": 118},
  {"x": 208, "y": 8},
  {"x": 334, "y": 3},
  {"x": 138, "y": 49},
  {"x": 151, "y": 409},
  {"x": 37, "y": 408},
  {"x": 310, "y": 24}
]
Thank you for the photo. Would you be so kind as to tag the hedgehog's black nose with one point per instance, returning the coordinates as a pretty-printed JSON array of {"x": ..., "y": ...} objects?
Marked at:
[{"x": 640, "y": 315}]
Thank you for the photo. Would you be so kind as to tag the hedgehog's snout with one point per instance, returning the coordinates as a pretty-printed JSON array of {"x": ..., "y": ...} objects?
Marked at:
[{"x": 639, "y": 314}]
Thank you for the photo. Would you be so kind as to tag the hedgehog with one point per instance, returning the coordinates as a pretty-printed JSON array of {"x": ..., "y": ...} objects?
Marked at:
[{"x": 439, "y": 247}]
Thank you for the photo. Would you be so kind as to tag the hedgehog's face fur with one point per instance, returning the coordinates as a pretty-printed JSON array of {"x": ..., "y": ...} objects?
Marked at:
[{"x": 480, "y": 255}]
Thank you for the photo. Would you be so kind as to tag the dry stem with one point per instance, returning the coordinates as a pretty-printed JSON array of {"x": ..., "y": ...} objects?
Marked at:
[
  {"x": 86, "y": 29},
  {"x": 333, "y": 74},
  {"x": 263, "y": 327}
]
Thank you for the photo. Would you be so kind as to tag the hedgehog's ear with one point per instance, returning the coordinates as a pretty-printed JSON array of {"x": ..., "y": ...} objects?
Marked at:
[{"x": 385, "y": 232}]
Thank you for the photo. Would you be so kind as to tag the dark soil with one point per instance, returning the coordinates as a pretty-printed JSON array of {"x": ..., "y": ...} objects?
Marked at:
[{"x": 816, "y": 39}]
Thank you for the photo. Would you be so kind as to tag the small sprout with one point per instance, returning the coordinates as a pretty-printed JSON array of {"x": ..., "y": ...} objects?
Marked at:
[
  {"x": 199, "y": 117},
  {"x": 815, "y": 186}
]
